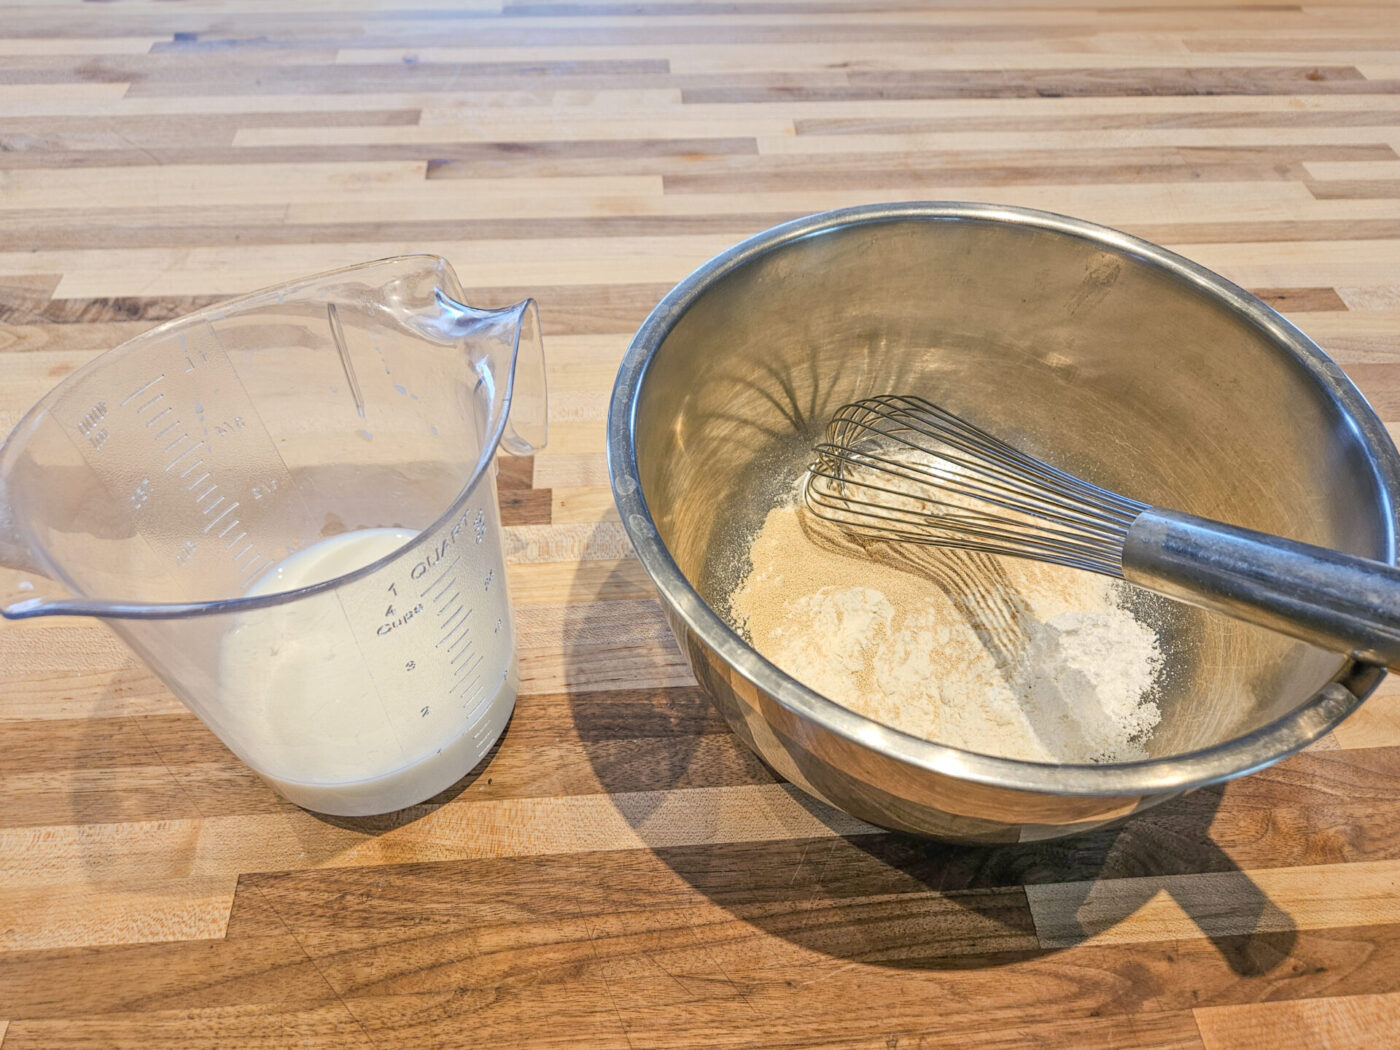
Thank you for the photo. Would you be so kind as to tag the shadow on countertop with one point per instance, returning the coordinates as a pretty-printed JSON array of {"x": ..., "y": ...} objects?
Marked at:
[{"x": 899, "y": 901}]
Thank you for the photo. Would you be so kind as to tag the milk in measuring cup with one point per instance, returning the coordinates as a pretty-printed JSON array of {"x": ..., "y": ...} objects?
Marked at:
[{"x": 401, "y": 678}]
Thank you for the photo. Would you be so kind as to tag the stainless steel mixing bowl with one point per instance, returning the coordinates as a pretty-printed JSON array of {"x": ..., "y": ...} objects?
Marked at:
[{"x": 1100, "y": 352}]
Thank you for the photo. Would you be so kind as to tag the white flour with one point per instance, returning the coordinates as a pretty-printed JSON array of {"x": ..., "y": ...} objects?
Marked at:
[{"x": 1000, "y": 656}]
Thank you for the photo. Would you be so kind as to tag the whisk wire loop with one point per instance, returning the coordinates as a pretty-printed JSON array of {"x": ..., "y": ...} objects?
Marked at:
[{"x": 900, "y": 468}]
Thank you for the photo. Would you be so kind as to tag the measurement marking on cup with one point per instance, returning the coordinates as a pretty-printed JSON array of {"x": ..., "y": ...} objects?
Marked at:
[
  {"x": 141, "y": 389},
  {"x": 481, "y": 734},
  {"x": 461, "y": 669},
  {"x": 213, "y": 487},
  {"x": 460, "y": 629},
  {"x": 234, "y": 540},
  {"x": 465, "y": 682},
  {"x": 464, "y": 685},
  {"x": 441, "y": 577},
  {"x": 460, "y": 639},
  {"x": 193, "y": 448},
  {"x": 430, "y": 587},
  {"x": 159, "y": 416},
  {"x": 141, "y": 408},
  {"x": 448, "y": 625},
  {"x": 161, "y": 436},
  {"x": 226, "y": 512},
  {"x": 197, "y": 481}
]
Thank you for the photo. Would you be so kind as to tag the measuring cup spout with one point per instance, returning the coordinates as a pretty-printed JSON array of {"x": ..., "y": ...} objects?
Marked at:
[{"x": 507, "y": 356}]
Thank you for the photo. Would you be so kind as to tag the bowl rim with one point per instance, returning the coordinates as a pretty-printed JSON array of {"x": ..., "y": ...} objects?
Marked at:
[{"x": 1244, "y": 754}]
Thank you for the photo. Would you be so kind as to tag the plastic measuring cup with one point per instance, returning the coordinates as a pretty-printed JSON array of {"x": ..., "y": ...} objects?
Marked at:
[{"x": 285, "y": 504}]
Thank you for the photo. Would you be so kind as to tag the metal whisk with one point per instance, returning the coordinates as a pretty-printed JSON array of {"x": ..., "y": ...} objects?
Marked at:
[{"x": 900, "y": 468}]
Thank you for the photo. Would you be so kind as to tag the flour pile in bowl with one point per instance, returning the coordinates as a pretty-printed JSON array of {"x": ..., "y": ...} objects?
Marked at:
[{"x": 999, "y": 656}]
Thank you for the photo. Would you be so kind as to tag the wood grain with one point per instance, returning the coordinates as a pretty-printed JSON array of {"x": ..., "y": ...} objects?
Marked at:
[
  {"x": 1342, "y": 1021},
  {"x": 621, "y": 871}
]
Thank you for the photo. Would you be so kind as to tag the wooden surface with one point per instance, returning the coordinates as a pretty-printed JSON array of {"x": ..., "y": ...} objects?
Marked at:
[{"x": 621, "y": 873}]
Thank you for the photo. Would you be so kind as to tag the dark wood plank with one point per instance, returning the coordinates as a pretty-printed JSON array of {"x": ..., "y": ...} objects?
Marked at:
[
  {"x": 159, "y": 228},
  {"x": 873, "y": 85},
  {"x": 485, "y": 159},
  {"x": 1355, "y": 189}
]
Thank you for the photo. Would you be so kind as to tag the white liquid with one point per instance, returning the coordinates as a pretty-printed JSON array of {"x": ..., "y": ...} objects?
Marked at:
[
  {"x": 328, "y": 559},
  {"x": 335, "y": 713}
]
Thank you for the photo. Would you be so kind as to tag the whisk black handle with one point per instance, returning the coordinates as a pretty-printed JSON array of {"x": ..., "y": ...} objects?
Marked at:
[{"x": 1334, "y": 600}]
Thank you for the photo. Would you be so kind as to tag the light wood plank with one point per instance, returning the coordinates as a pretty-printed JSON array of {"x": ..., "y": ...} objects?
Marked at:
[
  {"x": 1335, "y": 263},
  {"x": 1376, "y": 723},
  {"x": 134, "y": 910},
  {"x": 1221, "y": 904},
  {"x": 226, "y": 271},
  {"x": 485, "y": 129},
  {"x": 47, "y": 46},
  {"x": 1336, "y": 1023},
  {"x": 588, "y": 504},
  {"x": 552, "y": 583},
  {"x": 151, "y": 853},
  {"x": 1118, "y": 203}
]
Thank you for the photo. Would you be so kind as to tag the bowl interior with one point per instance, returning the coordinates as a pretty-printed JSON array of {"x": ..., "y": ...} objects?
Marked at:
[{"x": 1081, "y": 352}]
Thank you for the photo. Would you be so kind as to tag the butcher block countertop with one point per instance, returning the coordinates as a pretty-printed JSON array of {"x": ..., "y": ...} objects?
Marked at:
[{"x": 620, "y": 871}]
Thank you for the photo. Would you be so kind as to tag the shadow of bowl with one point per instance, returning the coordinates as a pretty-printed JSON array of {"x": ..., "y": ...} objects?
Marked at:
[{"x": 831, "y": 884}]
